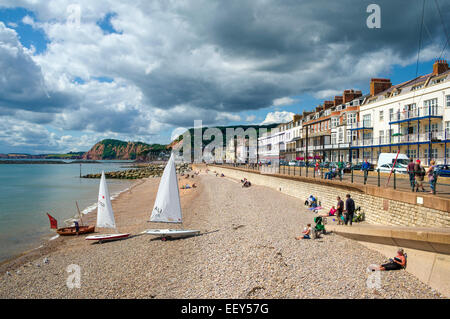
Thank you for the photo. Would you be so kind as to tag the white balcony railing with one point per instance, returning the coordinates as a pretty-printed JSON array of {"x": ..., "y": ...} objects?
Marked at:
[
  {"x": 418, "y": 112},
  {"x": 408, "y": 138},
  {"x": 362, "y": 124}
]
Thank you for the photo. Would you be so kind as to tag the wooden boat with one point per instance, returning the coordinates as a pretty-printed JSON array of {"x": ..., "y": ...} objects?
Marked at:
[{"x": 70, "y": 231}]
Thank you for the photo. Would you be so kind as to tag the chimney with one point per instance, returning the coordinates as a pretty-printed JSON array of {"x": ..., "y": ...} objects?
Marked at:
[
  {"x": 440, "y": 66},
  {"x": 379, "y": 85},
  {"x": 327, "y": 104},
  {"x": 350, "y": 95},
  {"x": 337, "y": 100}
]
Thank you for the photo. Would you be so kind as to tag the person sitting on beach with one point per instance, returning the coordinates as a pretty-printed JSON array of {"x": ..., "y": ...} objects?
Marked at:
[
  {"x": 306, "y": 233},
  {"x": 221, "y": 175},
  {"x": 332, "y": 211},
  {"x": 194, "y": 186},
  {"x": 398, "y": 262},
  {"x": 247, "y": 184},
  {"x": 310, "y": 200}
]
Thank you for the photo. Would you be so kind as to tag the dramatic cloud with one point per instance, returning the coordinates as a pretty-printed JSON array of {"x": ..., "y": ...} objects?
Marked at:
[{"x": 140, "y": 68}]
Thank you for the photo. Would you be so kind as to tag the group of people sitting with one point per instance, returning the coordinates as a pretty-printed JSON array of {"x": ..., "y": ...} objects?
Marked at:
[
  {"x": 187, "y": 186},
  {"x": 332, "y": 173},
  {"x": 245, "y": 182},
  {"x": 311, "y": 202},
  {"x": 398, "y": 262}
]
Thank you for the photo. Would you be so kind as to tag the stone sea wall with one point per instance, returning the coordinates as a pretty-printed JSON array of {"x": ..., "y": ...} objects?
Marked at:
[
  {"x": 150, "y": 170},
  {"x": 382, "y": 210}
]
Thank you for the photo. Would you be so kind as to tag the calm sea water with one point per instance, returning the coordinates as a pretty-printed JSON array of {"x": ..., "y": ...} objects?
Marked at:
[{"x": 29, "y": 191}]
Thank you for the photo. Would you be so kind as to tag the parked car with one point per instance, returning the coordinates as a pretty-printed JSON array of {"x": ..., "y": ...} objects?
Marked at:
[
  {"x": 358, "y": 166},
  {"x": 325, "y": 164},
  {"x": 443, "y": 170},
  {"x": 389, "y": 158},
  {"x": 293, "y": 163},
  {"x": 386, "y": 168},
  {"x": 282, "y": 162}
]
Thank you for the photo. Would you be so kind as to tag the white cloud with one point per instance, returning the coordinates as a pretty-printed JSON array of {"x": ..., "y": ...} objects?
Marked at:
[
  {"x": 284, "y": 101},
  {"x": 250, "y": 118},
  {"x": 278, "y": 117}
]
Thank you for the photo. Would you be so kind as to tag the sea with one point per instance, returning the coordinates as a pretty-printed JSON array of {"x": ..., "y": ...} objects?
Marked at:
[{"x": 29, "y": 191}]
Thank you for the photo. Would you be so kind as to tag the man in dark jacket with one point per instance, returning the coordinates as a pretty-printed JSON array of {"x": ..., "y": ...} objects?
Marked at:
[
  {"x": 410, "y": 170},
  {"x": 349, "y": 209}
]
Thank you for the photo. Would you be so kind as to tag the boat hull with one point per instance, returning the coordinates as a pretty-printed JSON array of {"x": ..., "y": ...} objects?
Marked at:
[
  {"x": 108, "y": 237},
  {"x": 71, "y": 231},
  {"x": 171, "y": 233}
]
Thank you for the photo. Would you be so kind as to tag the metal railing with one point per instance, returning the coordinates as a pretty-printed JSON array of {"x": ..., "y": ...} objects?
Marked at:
[
  {"x": 411, "y": 138},
  {"x": 396, "y": 180},
  {"x": 423, "y": 111}
]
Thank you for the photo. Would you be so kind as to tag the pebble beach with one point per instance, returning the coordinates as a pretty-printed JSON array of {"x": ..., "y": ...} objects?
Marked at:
[{"x": 246, "y": 249}]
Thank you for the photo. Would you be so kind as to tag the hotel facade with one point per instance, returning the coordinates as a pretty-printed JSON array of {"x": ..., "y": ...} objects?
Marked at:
[{"x": 413, "y": 117}]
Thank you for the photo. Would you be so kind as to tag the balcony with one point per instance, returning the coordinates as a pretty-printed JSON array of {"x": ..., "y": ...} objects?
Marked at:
[
  {"x": 435, "y": 136},
  {"x": 416, "y": 114},
  {"x": 320, "y": 133},
  {"x": 364, "y": 125}
]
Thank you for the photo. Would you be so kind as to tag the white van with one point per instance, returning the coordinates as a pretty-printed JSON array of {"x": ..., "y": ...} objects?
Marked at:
[{"x": 386, "y": 160}]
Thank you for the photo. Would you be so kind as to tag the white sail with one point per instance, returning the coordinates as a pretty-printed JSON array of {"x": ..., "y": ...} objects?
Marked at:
[
  {"x": 105, "y": 214},
  {"x": 167, "y": 204}
]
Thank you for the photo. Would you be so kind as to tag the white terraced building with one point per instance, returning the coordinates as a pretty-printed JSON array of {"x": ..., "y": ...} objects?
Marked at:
[
  {"x": 413, "y": 117},
  {"x": 270, "y": 144}
]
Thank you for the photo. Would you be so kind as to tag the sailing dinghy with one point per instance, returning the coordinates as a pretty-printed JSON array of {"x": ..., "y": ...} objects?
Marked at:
[
  {"x": 167, "y": 207},
  {"x": 105, "y": 214}
]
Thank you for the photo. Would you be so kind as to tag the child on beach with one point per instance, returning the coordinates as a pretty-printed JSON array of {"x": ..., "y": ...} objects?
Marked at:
[{"x": 306, "y": 233}]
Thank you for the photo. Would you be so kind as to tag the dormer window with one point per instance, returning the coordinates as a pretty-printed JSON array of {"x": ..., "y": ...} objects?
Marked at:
[
  {"x": 439, "y": 80},
  {"x": 417, "y": 87}
]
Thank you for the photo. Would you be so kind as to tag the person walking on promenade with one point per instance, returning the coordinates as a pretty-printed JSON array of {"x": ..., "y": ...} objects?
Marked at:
[
  {"x": 349, "y": 209},
  {"x": 341, "y": 168},
  {"x": 410, "y": 170},
  {"x": 419, "y": 173},
  {"x": 339, "y": 210},
  {"x": 431, "y": 173},
  {"x": 365, "y": 167},
  {"x": 318, "y": 168}
]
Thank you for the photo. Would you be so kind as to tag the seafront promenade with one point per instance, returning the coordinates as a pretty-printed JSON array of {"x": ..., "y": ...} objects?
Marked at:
[
  {"x": 396, "y": 181},
  {"x": 246, "y": 250}
]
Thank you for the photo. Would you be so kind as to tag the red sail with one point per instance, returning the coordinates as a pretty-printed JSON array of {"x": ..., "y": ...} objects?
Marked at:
[{"x": 53, "y": 222}]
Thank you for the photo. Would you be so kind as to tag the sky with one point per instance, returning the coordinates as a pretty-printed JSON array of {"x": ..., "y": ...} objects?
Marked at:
[{"x": 75, "y": 72}]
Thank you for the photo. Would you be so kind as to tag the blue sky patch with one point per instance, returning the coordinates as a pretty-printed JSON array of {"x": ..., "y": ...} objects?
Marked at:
[
  {"x": 105, "y": 24},
  {"x": 28, "y": 36}
]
